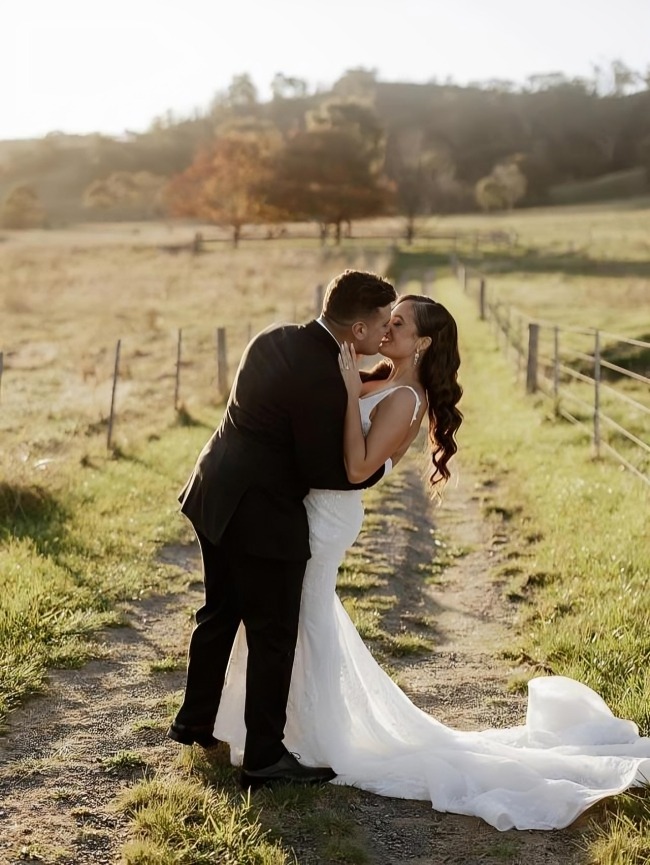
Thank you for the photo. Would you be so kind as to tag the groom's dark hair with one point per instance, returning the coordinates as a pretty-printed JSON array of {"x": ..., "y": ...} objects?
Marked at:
[{"x": 355, "y": 295}]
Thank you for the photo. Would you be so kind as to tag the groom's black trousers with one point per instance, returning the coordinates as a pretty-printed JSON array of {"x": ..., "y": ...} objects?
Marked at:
[{"x": 264, "y": 594}]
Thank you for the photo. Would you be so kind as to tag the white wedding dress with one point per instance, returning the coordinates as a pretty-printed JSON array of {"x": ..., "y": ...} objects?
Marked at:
[{"x": 345, "y": 712}]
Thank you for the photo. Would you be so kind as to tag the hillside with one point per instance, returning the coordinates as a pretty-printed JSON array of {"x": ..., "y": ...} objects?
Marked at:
[{"x": 560, "y": 133}]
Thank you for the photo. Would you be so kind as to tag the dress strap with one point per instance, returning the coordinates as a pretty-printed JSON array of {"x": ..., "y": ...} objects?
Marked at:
[
  {"x": 371, "y": 397},
  {"x": 417, "y": 399}
]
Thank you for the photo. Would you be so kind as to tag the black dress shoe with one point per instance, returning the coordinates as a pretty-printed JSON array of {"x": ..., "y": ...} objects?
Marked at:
[
  {"x": 286, "y": 770},
  {"x": 187, "y": 735}
]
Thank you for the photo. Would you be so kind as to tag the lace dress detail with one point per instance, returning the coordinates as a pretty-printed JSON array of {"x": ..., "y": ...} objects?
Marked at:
[{"x": 345, "y": 712}]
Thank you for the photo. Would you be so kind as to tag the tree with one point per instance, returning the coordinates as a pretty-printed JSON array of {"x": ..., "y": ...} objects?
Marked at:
[
  {"x": 138, "y": 192},
  {"x": 242, "y": 93},
  {"x": 285, "y": 87},
  {"x": 644, "y": 157},
  {"x": 324, "y": 175},
  {"x": 227, "y": 184},
  {"x": 490, "y": 195},
  {"x": 424, "y": 176},
  {"x": 357, "y": 83},
  {"x": 22, "y": 209},
  {"x": 501, "y": 189},
  {"x": 356, "y": 118},
  {"x": 332, "y": 172}
]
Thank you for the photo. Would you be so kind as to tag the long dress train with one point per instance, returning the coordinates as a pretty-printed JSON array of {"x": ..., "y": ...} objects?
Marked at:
[{"x": 345, "y": 712}]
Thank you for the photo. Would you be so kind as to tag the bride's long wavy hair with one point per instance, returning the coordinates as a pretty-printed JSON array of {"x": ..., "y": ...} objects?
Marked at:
[{"x": 438, "y": 375}]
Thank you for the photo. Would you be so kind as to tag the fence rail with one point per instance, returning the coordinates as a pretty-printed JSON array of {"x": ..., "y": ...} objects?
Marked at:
[
  {"x": 136, "y": 379},
  {"x": 457, "y": 240},
  {"x": 565, "y": 363},
  {"x": 572, "y": 376}
]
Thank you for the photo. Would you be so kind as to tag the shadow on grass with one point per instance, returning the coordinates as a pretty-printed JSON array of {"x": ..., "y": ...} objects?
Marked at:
[
  {"x": 572, "y": 263},
  {"x": 635, "y": 358},
  {"x": 415, "y": 263},
  {"x": 33, "y": 512},
  {"x": 520, "y": 260}
]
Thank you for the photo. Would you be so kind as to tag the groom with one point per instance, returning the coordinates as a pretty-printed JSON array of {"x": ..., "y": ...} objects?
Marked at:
[{"x": 281, "y": 434}]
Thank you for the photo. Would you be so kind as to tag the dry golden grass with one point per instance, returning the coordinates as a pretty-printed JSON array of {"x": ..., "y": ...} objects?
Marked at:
[{"x": 67, "y": 297}]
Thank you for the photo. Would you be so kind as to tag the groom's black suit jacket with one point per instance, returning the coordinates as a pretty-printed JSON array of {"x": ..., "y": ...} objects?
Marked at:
[{"x": 281, "y": 434}]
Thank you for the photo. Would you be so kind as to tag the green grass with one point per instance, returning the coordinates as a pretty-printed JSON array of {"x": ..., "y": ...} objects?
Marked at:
[
  {"x": 72, "y": 552},
  {"x": 624, "y": 838},
  {"x": 577, "y": 530},
  {"x": 79, "y": 538},
  {"x": 587, "y": 520},
  {"x": 288, "y": 816},
  {"x": 123, "y": 762},
  {"x": 618, "y": 184},
  {"x": 167, "y": 665},
  {"x": 180, "y": 820}
]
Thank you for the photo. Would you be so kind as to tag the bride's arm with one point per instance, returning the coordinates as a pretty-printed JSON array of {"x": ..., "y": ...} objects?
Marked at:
[
  {"x": 408, "y": 441},
  {"x": 363, "y": 455}
]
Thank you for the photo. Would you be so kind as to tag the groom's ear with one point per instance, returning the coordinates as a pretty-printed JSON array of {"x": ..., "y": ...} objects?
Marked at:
[{"x": 359, "y": 330}]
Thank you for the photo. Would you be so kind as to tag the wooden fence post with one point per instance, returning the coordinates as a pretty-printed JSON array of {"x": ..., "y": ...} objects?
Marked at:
[
  {"x": 481, "y": 299},
  {"x": 428, "y": 282},
  {"x": 197, "y": 243},
  {"x": 116, "y": 370},
  {"x": 597, "y": 393},
  {"x": 506, "y": 332},
  {"x": 497, "y": 320},
  {"x": 556, "y": 361},
  {"x": 531, "y": 368},
  {"x": 178, "y": 368},
  {"x": 222, "y": 362}
]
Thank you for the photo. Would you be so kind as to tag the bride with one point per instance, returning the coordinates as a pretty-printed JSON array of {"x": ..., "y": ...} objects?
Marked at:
[{"x": 345, "y": 712}]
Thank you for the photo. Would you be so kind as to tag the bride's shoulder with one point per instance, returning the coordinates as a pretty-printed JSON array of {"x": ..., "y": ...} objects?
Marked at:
[{"x": 400, "y": 402}]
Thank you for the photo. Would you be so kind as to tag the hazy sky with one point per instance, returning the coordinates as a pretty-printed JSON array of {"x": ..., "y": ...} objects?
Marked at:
[{"x": 83, "y": 66}]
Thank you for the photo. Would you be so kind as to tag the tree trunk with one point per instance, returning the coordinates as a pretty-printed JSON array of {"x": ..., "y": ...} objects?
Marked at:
[
  {"x": 338, "y": 233},
  {"x": 323, "y": 233},
  {"x": 236, "y": 234}
]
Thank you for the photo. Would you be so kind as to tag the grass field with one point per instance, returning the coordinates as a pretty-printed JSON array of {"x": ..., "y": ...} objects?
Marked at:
[{"x": 72, "y": 518}]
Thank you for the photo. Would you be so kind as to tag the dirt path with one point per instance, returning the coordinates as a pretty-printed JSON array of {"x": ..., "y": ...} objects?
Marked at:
[
  {"x": 463, "y": 682},
  {"x": 68, "y": 754}
]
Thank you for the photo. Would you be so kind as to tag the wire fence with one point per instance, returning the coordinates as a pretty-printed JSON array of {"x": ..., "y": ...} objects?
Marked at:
[
  {"x": 587, "y": 372},
  {"x": 125, "y": 389}
]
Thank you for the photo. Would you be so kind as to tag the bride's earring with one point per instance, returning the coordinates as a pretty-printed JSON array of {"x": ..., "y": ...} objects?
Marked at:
[{"x": 416, "y": 357}]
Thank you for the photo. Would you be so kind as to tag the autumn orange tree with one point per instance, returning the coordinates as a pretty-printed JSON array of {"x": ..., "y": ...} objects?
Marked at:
[
  {"x": 322, "y": 176},
  {"x": 227, "y": 184},
  {"x": 332, "y": 171}
]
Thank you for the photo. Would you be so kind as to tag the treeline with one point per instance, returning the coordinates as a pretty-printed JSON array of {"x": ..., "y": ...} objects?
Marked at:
[{"x": 363, "y": 148}]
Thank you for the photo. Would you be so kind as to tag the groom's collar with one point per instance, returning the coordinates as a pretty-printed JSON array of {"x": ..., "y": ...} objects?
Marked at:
[
  {"x": 321, "y": 321},
  {"x": 319, "y": 332}
]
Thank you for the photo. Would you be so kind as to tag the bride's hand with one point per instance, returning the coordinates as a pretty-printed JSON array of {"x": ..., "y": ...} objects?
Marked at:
[{"x": 350, "y": 370}]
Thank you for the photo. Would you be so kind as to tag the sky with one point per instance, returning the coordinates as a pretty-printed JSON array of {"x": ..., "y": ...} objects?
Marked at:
[{"x": 81, "y": 66}]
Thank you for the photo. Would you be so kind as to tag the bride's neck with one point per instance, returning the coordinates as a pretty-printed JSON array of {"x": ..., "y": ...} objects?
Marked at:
[{"x": 403, "y": 372}]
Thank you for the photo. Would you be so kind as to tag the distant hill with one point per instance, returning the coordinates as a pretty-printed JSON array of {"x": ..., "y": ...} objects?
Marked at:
[{"x": 563, "y": 135}]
